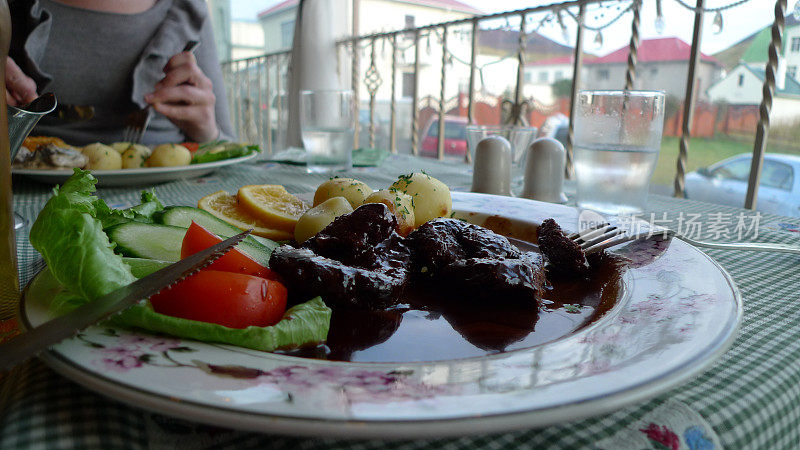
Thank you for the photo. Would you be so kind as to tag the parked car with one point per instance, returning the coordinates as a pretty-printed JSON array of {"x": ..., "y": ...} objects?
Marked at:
[
  {"x": 725, "y": 183},
  {"x": 455, "y": 137}
]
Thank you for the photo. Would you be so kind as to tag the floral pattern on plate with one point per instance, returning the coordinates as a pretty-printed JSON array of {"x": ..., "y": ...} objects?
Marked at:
[{"x": 679, "y": 312}]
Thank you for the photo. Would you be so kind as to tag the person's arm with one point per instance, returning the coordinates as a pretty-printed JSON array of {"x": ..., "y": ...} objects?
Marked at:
[
  {"x": 192, "y": 93},
  {"x": 20, "y": 88},
  {"x": 208, "y": 60}
]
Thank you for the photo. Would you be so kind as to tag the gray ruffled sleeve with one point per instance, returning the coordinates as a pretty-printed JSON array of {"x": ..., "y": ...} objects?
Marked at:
[
  {"x": 187, "y": 20},
  {"x": 30, "y": 26}
]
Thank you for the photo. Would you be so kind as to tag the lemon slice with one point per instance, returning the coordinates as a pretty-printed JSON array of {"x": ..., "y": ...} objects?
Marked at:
[
  {"x": 271, "y": 204},
  {"x": 226, "y": 207}
]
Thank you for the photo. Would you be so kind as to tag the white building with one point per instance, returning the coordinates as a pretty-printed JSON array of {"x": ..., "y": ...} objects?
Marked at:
[
  {"x": 743, "y": 86},
  {"x": 663, "y": 64},
  {"x": 540, "y": 76},
  {"x": 247, "y": 39},
  {"x": 387, "y": 15}
]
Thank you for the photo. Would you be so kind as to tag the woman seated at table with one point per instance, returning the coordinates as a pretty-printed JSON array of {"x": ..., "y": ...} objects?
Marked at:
[{"x": 119, "y": 56}]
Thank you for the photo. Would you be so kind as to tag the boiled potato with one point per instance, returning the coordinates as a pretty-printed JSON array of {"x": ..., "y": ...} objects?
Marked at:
[
  {"x": 431, "y": 197},
  {"x": 353, "y": 190},
  {"x": 319, "y": 217},
  {"x": 399, "y": 204},
  {"x": 120, "y": 146},
  {"x": 168, "y": 155},
  {"x": 102, "y": 157},
  {"x": 135, "y": 156}
]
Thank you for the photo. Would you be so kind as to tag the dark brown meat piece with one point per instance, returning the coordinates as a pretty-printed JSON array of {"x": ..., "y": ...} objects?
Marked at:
[
  {"x": 352, "y": 238},
  {"x": 441, "y": 242},
  {"x": 307, "y": 274},
  {"x": 476, "y": 262},
  {"x": 564, "y": 255},
  {"x": 358, "y": 260},
  {"x": 488, "y": 279}
]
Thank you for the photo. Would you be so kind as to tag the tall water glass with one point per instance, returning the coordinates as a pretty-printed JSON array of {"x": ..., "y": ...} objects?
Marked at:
[
  {"x": 327, "y": 121},
  {"x": 617, "y": 140}
]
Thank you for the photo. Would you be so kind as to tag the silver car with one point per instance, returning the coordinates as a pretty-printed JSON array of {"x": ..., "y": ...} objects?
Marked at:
[{"x": 726, "y": 183}]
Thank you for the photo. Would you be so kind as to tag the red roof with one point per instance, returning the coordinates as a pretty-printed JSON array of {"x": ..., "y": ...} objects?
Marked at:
[
  {"x": 454, "y": 5},
  {"x": 654, "y": 50}
]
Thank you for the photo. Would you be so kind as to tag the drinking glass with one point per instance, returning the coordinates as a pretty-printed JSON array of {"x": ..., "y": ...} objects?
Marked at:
[
  {"x": 617, "y": 140},
  {"x": 327, "y": 122},
  {"x": 20, "y": 123},
  {"x": 519, "y": 138}
]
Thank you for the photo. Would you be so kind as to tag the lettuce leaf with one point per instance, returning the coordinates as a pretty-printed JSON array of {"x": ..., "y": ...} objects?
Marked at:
[
  {"x": 304, "y": 323},
  {"x": 69, "y": 234},
  {"x": 301, "y": 324},
  {"x": 219, "y": 150},
  {"x": 72, "y": 242}
]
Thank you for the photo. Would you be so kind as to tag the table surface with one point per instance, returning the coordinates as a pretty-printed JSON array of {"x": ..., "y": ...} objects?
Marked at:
[{"x": 749, "y": 399}]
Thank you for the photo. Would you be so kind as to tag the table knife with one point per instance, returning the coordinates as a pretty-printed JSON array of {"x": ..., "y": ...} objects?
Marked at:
[{"x": 34, "y": 341}]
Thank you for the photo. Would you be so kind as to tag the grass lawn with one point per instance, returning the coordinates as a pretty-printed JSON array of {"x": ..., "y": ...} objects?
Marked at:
[{"x": 702, "y": 152}]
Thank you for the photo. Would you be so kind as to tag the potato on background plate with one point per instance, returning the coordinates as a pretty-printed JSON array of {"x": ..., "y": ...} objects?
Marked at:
[
  {"x": 102, "y": 157},
  {"x": 169, "y": 155}
]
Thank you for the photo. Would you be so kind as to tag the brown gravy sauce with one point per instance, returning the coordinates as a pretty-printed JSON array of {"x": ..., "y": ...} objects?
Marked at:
[{"x": 430, "y": 326}]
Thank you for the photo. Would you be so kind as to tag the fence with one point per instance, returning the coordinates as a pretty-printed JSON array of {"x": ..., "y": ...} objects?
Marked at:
[{"x": 257, "y": 85}]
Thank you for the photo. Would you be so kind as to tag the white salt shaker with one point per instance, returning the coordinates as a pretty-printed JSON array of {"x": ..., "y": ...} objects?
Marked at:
[
  {"x": 544, "y": 171},
  {"x": 491, "y": 171}
]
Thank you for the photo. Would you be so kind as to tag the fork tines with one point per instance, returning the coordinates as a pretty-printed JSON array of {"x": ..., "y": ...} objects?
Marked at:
[
  {"x": 136, "y": 124},
  {"x": 592, "y": 240}
]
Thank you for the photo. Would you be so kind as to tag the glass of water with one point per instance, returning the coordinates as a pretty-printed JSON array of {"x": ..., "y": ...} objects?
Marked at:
[
  {"x": 327, "y": 121},
  {"x": 617, "y": 140}
]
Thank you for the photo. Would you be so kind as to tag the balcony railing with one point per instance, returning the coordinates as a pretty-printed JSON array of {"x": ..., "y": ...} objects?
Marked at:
[{"x": 257, "y": 86}]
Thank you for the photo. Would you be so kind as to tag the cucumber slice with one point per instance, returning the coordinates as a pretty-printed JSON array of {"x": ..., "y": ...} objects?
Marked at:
[
  {"x": 163, "y": 242},
  {"x": 182, "y": 216}
]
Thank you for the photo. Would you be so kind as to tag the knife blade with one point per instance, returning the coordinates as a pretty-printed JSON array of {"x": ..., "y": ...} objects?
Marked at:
[{"x": 29, "y": 344}]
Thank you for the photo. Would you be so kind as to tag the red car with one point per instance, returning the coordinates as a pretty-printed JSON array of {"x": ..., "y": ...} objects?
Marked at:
[{"x": 455, "y": 137}]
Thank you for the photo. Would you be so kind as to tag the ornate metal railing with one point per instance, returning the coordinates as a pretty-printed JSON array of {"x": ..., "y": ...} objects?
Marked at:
[{"x": 257, "y": 85}]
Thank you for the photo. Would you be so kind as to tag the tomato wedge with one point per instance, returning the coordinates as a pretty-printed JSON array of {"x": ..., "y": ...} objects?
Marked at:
[
  {"x": 233, "y": 300},
  {"x": 198, "y": 238},
  {"x": 191, "y": 146}
]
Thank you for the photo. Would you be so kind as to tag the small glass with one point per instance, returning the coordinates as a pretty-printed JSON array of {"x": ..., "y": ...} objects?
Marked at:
[
  {"x": 519, "y": 138},
  {"x": 20, "y": 124},
  {"x": 327, "y": 122},
  {"x": 617, "y": 141}
]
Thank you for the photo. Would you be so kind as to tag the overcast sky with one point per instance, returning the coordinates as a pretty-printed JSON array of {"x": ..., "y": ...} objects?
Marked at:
[{"x": 738, "y": 22}]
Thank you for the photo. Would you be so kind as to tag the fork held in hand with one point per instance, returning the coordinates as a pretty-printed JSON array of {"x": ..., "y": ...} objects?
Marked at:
[
  {"x": 136, "y": 123},
  {"x": 606, "y": 235}
]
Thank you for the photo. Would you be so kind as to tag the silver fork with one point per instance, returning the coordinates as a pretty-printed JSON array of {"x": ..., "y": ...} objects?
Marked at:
[
  {"x": 136, "y": 123},
  {"x": 606, "y": 235}
]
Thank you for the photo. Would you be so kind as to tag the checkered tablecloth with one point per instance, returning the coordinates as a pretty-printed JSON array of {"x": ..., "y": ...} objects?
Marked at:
[{"x": 749, "y": 399}]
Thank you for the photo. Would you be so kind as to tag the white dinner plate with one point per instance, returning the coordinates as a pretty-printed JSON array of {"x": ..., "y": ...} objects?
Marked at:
[
  {"x": 678, "y": 312},
  {"x": 134, "y": 177}
]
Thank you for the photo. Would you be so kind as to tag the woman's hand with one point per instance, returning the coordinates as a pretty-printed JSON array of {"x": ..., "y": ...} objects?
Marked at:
[
  {"x": 20, "y": 88},
  {"x": 185, "y": 96}
]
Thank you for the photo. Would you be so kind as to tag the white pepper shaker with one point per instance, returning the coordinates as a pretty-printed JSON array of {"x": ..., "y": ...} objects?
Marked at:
[
  {"x": 491, "y": 170},
  {"x": 546, "y": 160}
]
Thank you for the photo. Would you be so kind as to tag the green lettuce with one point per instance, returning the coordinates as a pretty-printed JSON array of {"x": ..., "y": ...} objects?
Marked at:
[
  {"x": 69, "y": 235},
  {"x": 301, "y": 324},
  {"x": 142, "y": 212},
  {"x": 71, "y": 240},
  {"x": 219, "y": 150}
]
